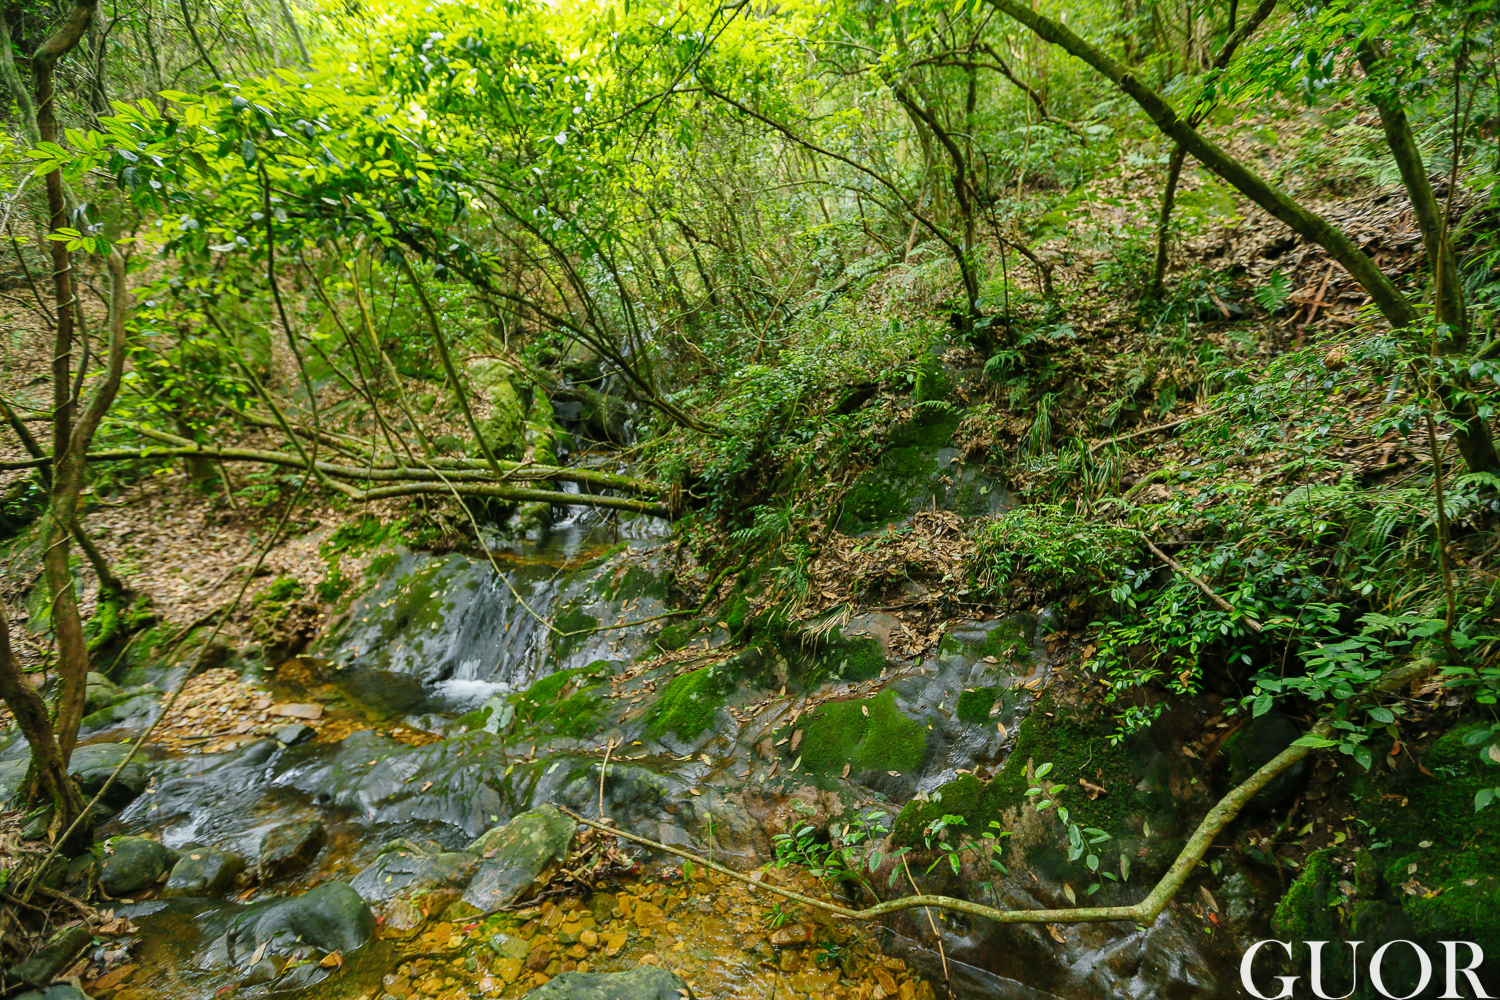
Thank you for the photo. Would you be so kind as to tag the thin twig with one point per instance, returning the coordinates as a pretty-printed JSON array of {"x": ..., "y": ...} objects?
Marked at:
[
  {"x": 1179, "y": 568},
  {"x": 608, "y": 749},
  {"x": 1149, "y": 430},
  {"x": 930, "y": 922}
]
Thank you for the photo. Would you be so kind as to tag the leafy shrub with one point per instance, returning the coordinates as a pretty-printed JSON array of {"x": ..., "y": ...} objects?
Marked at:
[{"x": 1057, "y": 549}]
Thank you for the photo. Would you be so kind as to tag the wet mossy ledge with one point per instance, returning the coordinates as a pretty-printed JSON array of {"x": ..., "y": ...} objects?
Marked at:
[
  {"x": 869, "y": 734},
  {"x": 1430, "y": 870}
]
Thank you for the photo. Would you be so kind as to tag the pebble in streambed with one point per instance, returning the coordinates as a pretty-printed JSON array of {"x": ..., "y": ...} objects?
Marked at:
[{"x": 715, "y": 937}]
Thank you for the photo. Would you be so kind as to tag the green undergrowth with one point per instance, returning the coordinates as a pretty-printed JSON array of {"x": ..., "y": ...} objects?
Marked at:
[
  {"x": 1076, "y": 748},
  {"x": 365, "y": 534}
]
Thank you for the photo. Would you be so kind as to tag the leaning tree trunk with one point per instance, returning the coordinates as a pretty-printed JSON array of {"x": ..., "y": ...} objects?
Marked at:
[
  {"x": 67, "y": 466},
  {"x": 49, "y": 766},
  {"x": 1473, "y": 437}
]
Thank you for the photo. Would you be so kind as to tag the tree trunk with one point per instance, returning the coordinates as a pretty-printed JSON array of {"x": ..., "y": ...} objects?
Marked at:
[
  {"x": 67, "y": 467},
  {"x": 1474, "y": 439},
  {"x": 49, "y": 766},
  {"x": 1164, "y": 222}
]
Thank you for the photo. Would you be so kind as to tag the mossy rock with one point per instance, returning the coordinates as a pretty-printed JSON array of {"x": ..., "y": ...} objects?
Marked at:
[
  {"x": 735, "y": 613},
  {"x": 1459, "y": 868},
  {"x": 915, "y": 471},
  {"x": 869, "y": 734},
  {"x": 932, "y": 383},
  {"x": 1308, "y": 911},
  {"x": 1138, "y": 778},
  {"x": 1003, "y": 639},
  {"x": 567, "y": 703},
  {"x": 837, "y": 658},
  {"x": 504, "y": 428},
  {"x": 675, "y": 637},
  {"x": 974, "y": 706},
  {"x": 689, "y": 704},
  {"x": 963, "y": 796}
]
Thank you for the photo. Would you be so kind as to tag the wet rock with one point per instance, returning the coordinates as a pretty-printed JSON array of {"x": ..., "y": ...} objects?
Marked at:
[
  {"x": 290, "y": 848},
  {"x": 517, "y": 855},
  {"x": 404, "y": 871},
  {"x": 295, "y": 733},
  {"x": 59, "y": 992},
  {"x": 792, "y": 935},
  {"x": 99, "y": 692},
  {"x": 55, "y": 956},
  {"x": 329, "y": 918},
  {"x": 202, "y": 872},
  {"x": 135, "y": 863},
  {"x": 644, "y": 982}
]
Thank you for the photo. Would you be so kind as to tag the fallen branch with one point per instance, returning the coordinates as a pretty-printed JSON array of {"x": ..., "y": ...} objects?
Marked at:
[
  {"x": 1148, "y": 430},
  {"x": 1182, "y": 570},
  {"x": 470, "y": 481},
  {"x": 1144, "y": 913}
]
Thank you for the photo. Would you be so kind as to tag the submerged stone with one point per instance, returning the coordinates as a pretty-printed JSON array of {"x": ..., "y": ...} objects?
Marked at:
[
  {"x": 406, "y": 883},
  {"x": 644, "y": 982},
  {"x": 295, "y": 733},
  {"x": 330, "y": 918}
]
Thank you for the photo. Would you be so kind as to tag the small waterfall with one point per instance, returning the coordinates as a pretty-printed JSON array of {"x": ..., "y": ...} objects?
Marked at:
[{"x": 464, "y": 627}]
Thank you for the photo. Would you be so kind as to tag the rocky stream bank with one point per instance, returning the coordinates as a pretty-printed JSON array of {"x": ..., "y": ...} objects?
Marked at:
[{"x": 377, "y": 817}]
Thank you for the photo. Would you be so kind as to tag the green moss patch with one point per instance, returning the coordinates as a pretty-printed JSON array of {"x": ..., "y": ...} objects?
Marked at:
[
  {"x": 688, "y": 705},
  {"x": 963, "y": 796},
  {"x": 905, "y": 473},
  {"x": 675, "y": 637},
  {"x": 870, "y": 734},
  {"x": 974, "y": 706},
  {"x": 566, "y": 703},
  {"x": 837, "y": 658},
  {"x": 1459, "y": 868}
]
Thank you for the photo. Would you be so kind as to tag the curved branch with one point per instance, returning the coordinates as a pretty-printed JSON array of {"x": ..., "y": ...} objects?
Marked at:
[{"x": 1143, "y": 913}]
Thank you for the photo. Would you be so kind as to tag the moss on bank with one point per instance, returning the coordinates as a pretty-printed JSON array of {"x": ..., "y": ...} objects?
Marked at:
[
  {"x": 869, "y": 734},
  {"x": 689, "y": 704}
]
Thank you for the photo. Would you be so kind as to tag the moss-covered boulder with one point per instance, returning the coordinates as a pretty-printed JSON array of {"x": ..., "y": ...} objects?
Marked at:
[
  {"x": 1431, "y": 872},
  {"x": 1447, "y": 854},
  {"x": 516, "y": 856},
  {"x": 504, "y": 427},
  {"x": 868, "y": 734},
  {"x": 918, "y": 470}
]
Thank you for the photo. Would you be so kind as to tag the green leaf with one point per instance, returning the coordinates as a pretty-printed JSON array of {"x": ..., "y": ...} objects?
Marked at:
[{"x": 1316, "y": 742}]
